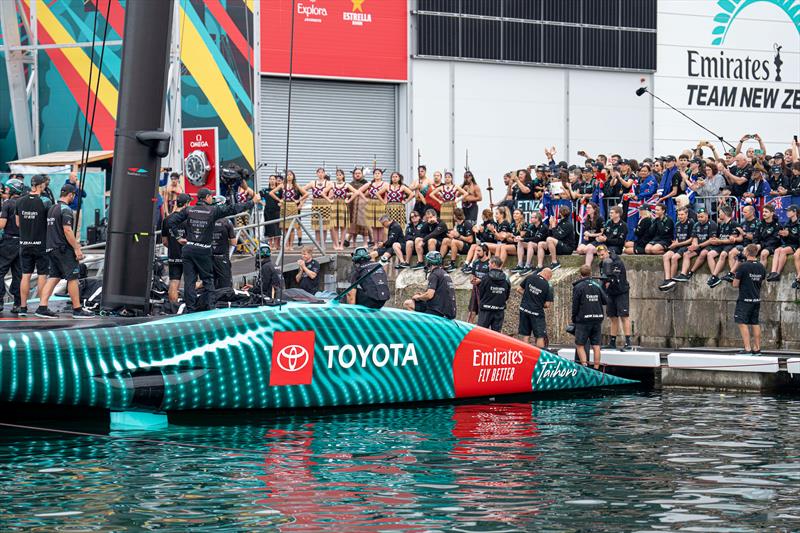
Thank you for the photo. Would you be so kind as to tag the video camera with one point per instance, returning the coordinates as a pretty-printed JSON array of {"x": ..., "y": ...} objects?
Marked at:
[{"x": 232, "y": 175}]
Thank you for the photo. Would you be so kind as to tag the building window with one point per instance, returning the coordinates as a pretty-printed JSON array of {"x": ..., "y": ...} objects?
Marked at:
[{"x": 599, "y": 34}]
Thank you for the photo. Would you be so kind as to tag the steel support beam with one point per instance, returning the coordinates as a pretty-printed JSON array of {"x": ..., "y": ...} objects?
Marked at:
[{"x": 17, "y": 83}]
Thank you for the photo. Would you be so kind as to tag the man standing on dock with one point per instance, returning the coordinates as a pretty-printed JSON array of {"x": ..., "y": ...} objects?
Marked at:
[
  {"x": 537, "y": 295},
  {"x": 588, "y": 299},
  {"x": 749, "y": 277},
  {"x": 613, "y": 271}
]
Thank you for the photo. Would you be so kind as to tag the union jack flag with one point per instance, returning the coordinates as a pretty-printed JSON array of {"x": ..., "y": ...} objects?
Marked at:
[{"x": 780, "y": 203}]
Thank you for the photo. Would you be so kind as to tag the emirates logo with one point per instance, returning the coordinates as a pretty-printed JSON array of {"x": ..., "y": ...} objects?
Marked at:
[{"x": 292, "y": 358}]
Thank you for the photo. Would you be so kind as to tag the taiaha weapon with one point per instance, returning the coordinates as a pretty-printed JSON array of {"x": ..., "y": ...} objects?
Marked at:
[
  {"x": 489, "y": 188},
  {"x": 466, "y": 162}
]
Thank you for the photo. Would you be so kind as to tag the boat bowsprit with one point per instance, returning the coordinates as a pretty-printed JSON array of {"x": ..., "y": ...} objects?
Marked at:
[{"x": 299, "y": 355}]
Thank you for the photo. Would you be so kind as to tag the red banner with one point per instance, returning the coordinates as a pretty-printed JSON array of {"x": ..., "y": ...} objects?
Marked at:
[
  {"x": 197, "y": 141},
  {"x": 364, "y": 39}
]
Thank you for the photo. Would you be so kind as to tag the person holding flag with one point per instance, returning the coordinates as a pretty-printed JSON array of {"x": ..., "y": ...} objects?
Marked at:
[{"x": 668, "y": 188}]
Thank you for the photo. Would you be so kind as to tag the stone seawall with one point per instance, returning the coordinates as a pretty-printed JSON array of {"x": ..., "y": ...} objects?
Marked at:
[{"x": 691, "y": 315}]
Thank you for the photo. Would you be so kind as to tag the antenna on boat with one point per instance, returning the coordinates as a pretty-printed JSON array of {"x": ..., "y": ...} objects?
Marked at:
[{"x": 288, "y": 129}]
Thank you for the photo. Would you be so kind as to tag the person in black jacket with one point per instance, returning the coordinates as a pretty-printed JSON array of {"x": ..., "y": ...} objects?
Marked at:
[
  {"x": 174, "y": 241},
  {"x": 440, "y": 297},
  {"x": 588, "y": 299},
  {"x": 269, "y": 282},
  {"x": 493, "y": 292},
  {"x": 394, "y": 242},
  {"x": 614, "y": 231},
  {"x": 561, "y": 241},
  {"x": 749, "y": 278},
  {"x": 537, "y": 295},
  {"x": 478, "y": 268},
  {"x": 9, "y": 243},
  {"x": 684, "y": 236},
  {"x": 197, "y": 256},
  {"x": 535, "y": 233},
  {"x": 643, "y": 232},
  {"x": 414, "y": 229},
  {"x": 615, "y": 276},
  {"x": 433, "y": 233},
  {"x": 373, "y": 286},
  {"x": 663, "y": 232},
  {"x": 768, "y": 238},
  {"x": 459, "y": 239}
]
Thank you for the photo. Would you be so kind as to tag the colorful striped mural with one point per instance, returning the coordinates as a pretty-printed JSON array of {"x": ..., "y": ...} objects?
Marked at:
[{"x": 216, "y": 75}]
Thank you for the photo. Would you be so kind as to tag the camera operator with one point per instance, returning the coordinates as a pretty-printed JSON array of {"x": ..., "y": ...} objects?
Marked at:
[
  {"x": 493, "y": 291},
  {"x": 537, "y": 295},
  {"x": 223, "y": 238},
  {"x": 615, "y": 276},
  {"x": 197, "y": 252},
  {"x": 440, "y": 297},
  {"x": 173, "y": 241},
  {"x": 738, "y": 175},
  {"x": 588, "y": 299},
  {"x": 373, "y": 285},
  {"x": 749, "y": 277}
]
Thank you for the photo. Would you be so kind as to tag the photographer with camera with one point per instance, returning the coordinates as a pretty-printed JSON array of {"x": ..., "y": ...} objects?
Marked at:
[{"x": 588, "y": 299}]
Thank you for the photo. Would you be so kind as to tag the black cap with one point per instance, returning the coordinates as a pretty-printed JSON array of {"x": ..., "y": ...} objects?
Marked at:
[
  {"x": 624, "y": 162},
  {"x": 696, "y": 160},
  {"x": 67, "y": 188},
  {"x": 670, "y": 158},
  {"x": 590, "y": 170},
  {"x": 644, "y": 207},
  {"x": 183, "y": 199},
  {"x": 778, "y": 155},
  {"x": 202, "y": 193},
  {"x": 38, "y": 179},
  {"x": 701, "y": 210}
]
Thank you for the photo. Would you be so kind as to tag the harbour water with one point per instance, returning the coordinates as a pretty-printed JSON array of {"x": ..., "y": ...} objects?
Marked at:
[{"x": 631, "y": 461}]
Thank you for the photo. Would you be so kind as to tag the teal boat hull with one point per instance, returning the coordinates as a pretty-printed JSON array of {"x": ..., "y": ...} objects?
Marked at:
[{"x": 298, "y": 355}]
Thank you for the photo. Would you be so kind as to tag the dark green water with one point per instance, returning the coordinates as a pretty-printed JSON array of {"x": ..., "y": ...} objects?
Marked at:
[{"x": 673, "y": 461}]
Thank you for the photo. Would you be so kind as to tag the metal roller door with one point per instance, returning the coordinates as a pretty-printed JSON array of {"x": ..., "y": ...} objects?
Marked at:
[{"x": 335, "y": 123}]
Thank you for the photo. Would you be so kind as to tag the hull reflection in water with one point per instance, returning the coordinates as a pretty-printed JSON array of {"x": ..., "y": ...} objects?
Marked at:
[{"x": 297, "y": 356}]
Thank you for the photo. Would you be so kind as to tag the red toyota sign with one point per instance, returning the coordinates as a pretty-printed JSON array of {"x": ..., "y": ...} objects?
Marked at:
[
  {"x": 292, "y": 358},
  {"x": 364, "y": 39},
  {"x": 200, "y": 159}
]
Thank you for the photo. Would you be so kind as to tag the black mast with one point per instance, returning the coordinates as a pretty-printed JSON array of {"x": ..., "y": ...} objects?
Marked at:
[{"x": 139, "y": 146}]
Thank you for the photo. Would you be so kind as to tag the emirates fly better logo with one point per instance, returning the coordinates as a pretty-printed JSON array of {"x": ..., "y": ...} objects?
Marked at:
[{"x": 292, "y": 358}]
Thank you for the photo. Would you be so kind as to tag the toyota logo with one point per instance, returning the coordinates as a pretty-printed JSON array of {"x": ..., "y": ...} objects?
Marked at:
[{"x": 292, "y": 358}]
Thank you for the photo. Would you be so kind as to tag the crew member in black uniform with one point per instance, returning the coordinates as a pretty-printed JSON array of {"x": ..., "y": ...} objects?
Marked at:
[
  {"x": 197, "y": 256},
  {"x": 32, "y": 223},
  {"x": 642, "y": 233},
  {"x": 768, "y": 237},
  {"x": 394, "y": 242},
  {"x": 614, "y": 231},
  {"x": 750, "y": 230},
  {"x": 790, "y": 233},
  {"x": 749, "y": 277},
  {"x": 493, "y": 292},
  {"x": 64, "y": 253},
  {"x": 269, "y": 282},
  {"x": 373, "y": 285},
  {"x": 174, "y": 241},
  {"x": 679, "y": 246},
  {"x": 9, "y": 243},
  {"x": 458, "y": 239},
  {"x": 704, "y": 231},
  {"x": 562, "y": 240},
  {"x": 479, "y": 268},
  {"x": 588, "y": 299},
  {"x": 537, "y": 295},
  {"x": 729, "y": 233},
  {"x": 615, "y": 276},
  {"x": 308, "y": 268},
  {"x": 433, "y": 233},
  {"x": 223, "y": 237},
  {"x": 440, "y": 297},
  {"x": 663, "y": 232}
]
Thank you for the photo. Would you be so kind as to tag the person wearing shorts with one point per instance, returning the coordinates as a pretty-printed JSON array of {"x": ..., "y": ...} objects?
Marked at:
[
  {"x": 749, "y": 277},
  {"x": 588, "y": 299},
  {"x": 677, "y": 248},
  {"x": 174, "y": 242},
  {"x": 31, "y": 215},
  {"x": 64, "y": 253},
  {"x": 537, "y": 295},
  {"x": 729, "y": 234}
]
